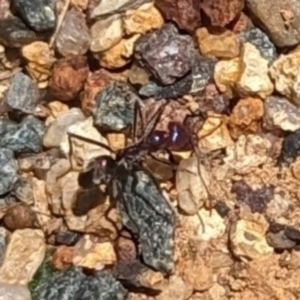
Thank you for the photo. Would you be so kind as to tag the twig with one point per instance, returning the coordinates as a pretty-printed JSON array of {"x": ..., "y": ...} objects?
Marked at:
[{"x": 59, "y": 23}]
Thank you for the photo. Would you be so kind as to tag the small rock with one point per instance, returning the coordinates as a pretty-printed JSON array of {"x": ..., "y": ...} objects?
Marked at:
[
  {"x": 22, "y": 94},
  {"x": 20, "y": 216},
  {"x": 281, "y": 114},
  {"x": 280, "y": 241},
  {"x": 116, "y": 141},
  {"x": 246, "y": 117},
  {"x": 142, "y": 20},
  {"x": 256, "y": 199},
  {"x": 138, "y": 75},
  {"x": 107, "y": 7},
  {"x": 126, "y": 250},
  {"x": 106, "y": 33},
  {"x": 247, "y": 237},
  {"x": 290, "y": 147},
  {"x": 192, "y": 192},
  {"x": 253, "y": 147},
  {"x": 39, "y": 15},
  {"x": 14, "y": 33},
  {"x": 286, "y": 76},
  {"x": 73, "y": 37},
  {"x": 242, "y": 22},
  {"x": 83, "y": 151},
  {"x": 68, "y": 77},
  {"x": 23, "y": 137},
  {"x": 88, "y": 253},
  {"x": 214, "y": 134},
  {"x": 214, "y": 225},
  {"x": 220, "y": 12},
  {"x": 218, "y": 43},
  {"x": 14, "y": 292},
  {"x": 166, "y": 53},
  {"x": 282, "y": 25},
  {"x": 191, "y": 275},
  {"x": 261, "y": 41},
  {"x": 94, "y": 84},
  {"x": 185, "y": 13},
  {"x": 138, "y": 275},
  {"x": 254, "y": 79},
  {"x": 8, "y": 171},
  {"x": 58, "y": 129},
  {"x": 39, "y": 60},
  {"x": 119, "y": 55},
  {"x": 74, "y": 284},
  {"x": 227, "y": 73},
  {"x": 175, "y": 288},
  {"x": 62, "y": 257},
  {"x": 23, "y": 190},
  {"x": 67, "y": 237},
  {"x": 115, "y": 106},
  {"x": 24, "y": 254}
]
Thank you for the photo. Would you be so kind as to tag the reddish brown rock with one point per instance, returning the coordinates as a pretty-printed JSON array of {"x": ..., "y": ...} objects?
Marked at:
[
  {"x": 222, "y": 12},
  {"x": 185, "y": 13},
  {"x": 125, "y": 248},
  {"x": 62, "y": 257},
  {"x": 68, "y": 77}
]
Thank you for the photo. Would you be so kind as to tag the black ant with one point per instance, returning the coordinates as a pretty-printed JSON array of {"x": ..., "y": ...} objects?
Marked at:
[{"x": 134, "y": 189}]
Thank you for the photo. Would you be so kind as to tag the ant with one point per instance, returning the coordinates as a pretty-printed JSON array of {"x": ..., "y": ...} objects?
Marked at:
[{"x": 134, "y": 189}]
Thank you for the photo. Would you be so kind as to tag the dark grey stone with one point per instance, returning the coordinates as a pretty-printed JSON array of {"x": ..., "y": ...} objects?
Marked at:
[{"x": 8, "y": 171}]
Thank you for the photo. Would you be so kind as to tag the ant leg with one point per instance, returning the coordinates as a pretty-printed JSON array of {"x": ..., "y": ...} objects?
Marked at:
[{"x": 91, "y": 141}]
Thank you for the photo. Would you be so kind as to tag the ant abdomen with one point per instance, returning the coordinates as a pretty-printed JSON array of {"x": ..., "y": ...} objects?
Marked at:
[
  {"x": 179, "y": 139},
  {"x": 157, "y": 140}
]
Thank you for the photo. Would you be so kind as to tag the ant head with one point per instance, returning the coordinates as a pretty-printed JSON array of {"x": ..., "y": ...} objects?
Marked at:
[{"x": 101, "y": 168}]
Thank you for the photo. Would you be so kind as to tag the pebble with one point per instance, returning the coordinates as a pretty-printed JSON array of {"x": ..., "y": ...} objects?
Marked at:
[
  {"x": 23, "y": 137},
  {"x": 214, "y": 134},
  {"x": 83, "y": 151},
  {"x": 20, "y": 216},
  {"x": 92, "y": 254},
  {"x": 14, "y": 292},
  {"x": 38, "y": 14},
  {"x": 57, "y": 130},
  {"x": 142, "y": 20},
  {"x": 218, "y": 43},
  {"x": 166, "y": 53},
  {"x": 261, "y": 41},
  {"x": 185, "y": 13},
  {"x": 246, "y": 116},
  {"x": 221, "y": 13},
  {"x": 138, "y": 275},
  {"x": 248, "y": 237},
  {"x": 62, "y": 257},
  {"x": 126, "y": 249},
  {"x": 280, "y": 241},
  {"x": 22, "y": 94},
  {"x": 8, "y": 171},
  {"x": 24, "y": 254},
  {"x": 115, "y": 106},
  {"x": 254, "y": 79},
  {"x": 106, "y": 33},
  {"x": 119, "y": 55},
  {"x": 283, "y": 24},
  {"x": 67, "y": 237},
  {"x": 68, "y": 77},
  {"x": 40, "y": 59},
  {"x": 290, "y": 147},
  {"x": 14, "y": 33},
  {"x": 280, "y": 113},
  {"x": 191, "y": 275},
  {"x": 107, "y": 7},
  {"x": 175, "y": 288},
  {"x": 286, "y": 76},
  {"x": 73, "y": 37},
  {"x": 192, "y": 192}
]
